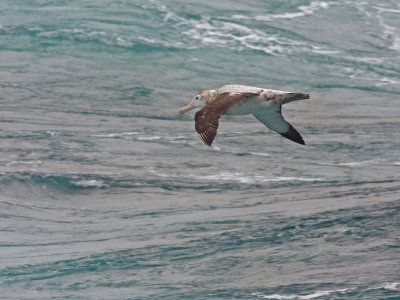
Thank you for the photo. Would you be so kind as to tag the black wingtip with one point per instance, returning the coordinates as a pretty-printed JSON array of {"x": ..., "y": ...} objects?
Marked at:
[{"x": 293, "y": 135}]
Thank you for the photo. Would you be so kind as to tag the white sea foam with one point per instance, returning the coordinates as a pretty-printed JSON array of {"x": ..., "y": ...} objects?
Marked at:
[
  {"x": 259, "y": 153},
  {"x": 386, "y": 80},
  {"x": 320, "y": 50},
  {"x": 392, "y": 34},
  {"x": 112, "y": 135},
  {"x": 52, "y": 133},
  {"x": 237, "y": 36},
  {"x": 241, "y": 37},
  {"x": 149, "y": 138},
  {"x": 303, "y": 10},
  {"x": 371, "y": 76},
  {"x": 108, "y": 38},
  {"x": 353, "y": 163},
  {"x": 225, "y": 33},
  {"x": 173, "y": 139},
  {"x": 158, "y": 173},
  {"x": 248, "y": 178},
  {"x": 357, "y": 163},
  {"x": 392, "y": 286},
  {"x": 60, "y": 32},
  {"x": 90, "y": 183},
  {"x": 274, "y": 296},
  {"x": 236, "y": 177},
  {"x": 34, "y": 28},
  {"x": 314, "y": 295},
  {"x": 366, "y": 59},
  {"x": 29, "y": 162}
]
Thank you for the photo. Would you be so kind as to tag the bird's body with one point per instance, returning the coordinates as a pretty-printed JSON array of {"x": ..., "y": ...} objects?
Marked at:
[{"x": 264, "y": 104}]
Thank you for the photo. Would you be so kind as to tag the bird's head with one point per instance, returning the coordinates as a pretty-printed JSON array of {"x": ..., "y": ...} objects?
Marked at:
[{"x": 199, "y": 100}]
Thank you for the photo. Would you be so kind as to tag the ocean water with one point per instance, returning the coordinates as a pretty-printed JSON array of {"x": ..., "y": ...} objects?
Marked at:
[{"x": 106, "y": 193}]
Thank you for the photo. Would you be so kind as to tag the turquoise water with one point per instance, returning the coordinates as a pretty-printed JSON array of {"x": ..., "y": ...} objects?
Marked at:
[{"x": 106, "y": 193}]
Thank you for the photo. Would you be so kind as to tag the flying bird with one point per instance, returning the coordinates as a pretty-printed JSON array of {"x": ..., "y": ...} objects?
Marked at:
[{"x": 264, "y": 104}]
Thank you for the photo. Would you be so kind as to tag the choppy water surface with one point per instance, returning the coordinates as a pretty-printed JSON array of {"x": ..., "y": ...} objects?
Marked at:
[{"x": 106, "y": 193}]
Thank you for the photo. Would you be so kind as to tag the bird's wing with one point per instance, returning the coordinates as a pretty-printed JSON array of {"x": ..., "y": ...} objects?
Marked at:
[
  {"x": 274, "y": 120},
  {"x": 207, "y": 118},
  {"x": 235, "y": 88}
]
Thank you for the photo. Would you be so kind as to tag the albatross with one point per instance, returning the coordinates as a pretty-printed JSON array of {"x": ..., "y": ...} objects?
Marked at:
[{"x": 264, "y": 104}]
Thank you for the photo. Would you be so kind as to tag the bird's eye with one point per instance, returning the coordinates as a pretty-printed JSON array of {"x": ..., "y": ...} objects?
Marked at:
[{"x": 197, "y": 98}]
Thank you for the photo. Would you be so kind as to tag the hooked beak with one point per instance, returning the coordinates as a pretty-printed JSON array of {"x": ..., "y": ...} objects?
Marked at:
[
  {"x": 298, "y": 96},
  {"x": 289, "y": 97},
  {"x": 187, "y": 107}
]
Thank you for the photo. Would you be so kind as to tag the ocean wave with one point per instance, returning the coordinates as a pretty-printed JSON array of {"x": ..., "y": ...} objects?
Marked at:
[
  {"x": 149, "y": 138},
  {"x": 250, "y": 179},
  {"x": 391, "y": 286},
  {"x": 390, "y": 33},
  {"x": 345, "y": 292},
  {"x": 95, "y": 35},
  {"x": 357, "y": 163},
  {"x": 368, "y": 69},
  {"x": 116, "y": 135},
  {"x": 303, "y": 10},
  {"x": 89, "y": 183},
  {"x": 228, "y": 34},
  {"x": 238, "y": 177},
  {"x": 259, "y": 154},
  {"x": 24, "y": 162},
  {"x": 137, "y": 136},
  {"x": 316, "y": 294},
  {"x": 354, "y": 163},
  {"x": 42, "y": 182},
  {"x": 105, "y": 38},
  {"x": 231, "y": 33}
]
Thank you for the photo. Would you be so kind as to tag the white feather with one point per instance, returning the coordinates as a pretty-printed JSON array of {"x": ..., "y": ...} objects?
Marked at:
[{"x": 273, "y": 120}]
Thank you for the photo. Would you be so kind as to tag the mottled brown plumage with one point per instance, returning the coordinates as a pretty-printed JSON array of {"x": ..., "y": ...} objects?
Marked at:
[{"x": 207, "y": 118}]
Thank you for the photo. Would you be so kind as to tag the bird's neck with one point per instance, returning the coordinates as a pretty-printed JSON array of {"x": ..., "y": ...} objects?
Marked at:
[{"x": 209, "y": 95}]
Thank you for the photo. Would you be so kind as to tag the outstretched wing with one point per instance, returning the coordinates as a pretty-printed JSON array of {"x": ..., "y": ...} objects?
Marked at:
[
  {"x": 235, "y": 88},
  {"x": 274, "y": 120},
  {"x": 207, "y": 118}
]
